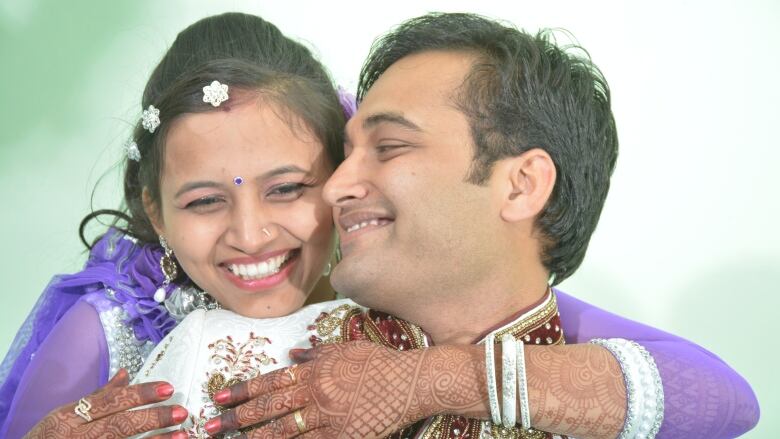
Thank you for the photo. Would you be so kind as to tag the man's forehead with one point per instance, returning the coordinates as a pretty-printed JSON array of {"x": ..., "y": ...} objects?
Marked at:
[{"x": 412, "y": 86}]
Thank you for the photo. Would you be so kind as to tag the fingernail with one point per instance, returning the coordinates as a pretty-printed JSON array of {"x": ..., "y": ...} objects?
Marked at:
[
  {"x": 179, "y": 414},
  {"x": 164, "y": 390},
  {"x": 180, "y": 435},
  {"x": 213, "y": 425},
  {"x": 222, "y": 397}
]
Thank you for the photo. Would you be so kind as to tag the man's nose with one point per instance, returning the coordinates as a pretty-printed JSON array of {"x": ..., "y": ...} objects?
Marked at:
[{"x": 348, "y": 183}]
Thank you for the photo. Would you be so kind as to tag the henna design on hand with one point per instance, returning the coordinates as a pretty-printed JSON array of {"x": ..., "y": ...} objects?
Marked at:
[{"x": 111, "y": 418}]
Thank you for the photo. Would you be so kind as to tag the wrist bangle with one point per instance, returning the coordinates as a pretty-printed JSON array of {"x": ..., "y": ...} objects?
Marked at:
[
  {"x": 522, "y": 388},
  {"x": 509, "y": 381},
  {"x": 490, "y": 368}
]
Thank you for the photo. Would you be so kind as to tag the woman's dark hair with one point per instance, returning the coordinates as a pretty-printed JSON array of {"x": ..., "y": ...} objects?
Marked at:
[
  {"x": 524, "y": 92},
  {"x": 252, "y": 56}
]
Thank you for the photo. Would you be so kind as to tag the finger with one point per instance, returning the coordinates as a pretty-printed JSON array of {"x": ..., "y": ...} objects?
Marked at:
[
  {"x": 288, "y": 426},
  {"x": 305, "y": 355},
  {"x": 171, "y": 435},
  {"x": 121, "y": 379},
  {"x": 262, "y": 384},
  {"x": 263, "y": 408},
  {"x": 106, "y": 402},
  {"x": 133, "y": 422}
]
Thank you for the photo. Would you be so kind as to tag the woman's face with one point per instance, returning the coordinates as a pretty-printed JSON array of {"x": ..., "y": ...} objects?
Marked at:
[{"x": 242, "y": 208}]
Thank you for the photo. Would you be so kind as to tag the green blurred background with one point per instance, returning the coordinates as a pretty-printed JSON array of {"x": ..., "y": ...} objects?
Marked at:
[{"x": 688, "y": 238}]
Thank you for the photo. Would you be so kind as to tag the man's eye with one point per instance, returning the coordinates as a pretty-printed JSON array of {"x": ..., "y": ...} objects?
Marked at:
[{"x": 389, "y": 150}]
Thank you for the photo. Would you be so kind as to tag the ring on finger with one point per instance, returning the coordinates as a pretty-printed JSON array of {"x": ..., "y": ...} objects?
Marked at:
[
  {"x": 291, "y": 372},
  {"x": 82, "y": 409},
  {"x": 299, "y": 421}
]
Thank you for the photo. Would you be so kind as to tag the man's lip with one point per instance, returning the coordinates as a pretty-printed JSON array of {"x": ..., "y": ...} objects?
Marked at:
[{"x": 255, "y": 259}]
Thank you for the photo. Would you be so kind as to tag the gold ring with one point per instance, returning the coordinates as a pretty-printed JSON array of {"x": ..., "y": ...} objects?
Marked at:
[
  {"x": 291, "y": 372},
  {"x": 299, "y": 421},
  {"x": 82, "y": 409}
]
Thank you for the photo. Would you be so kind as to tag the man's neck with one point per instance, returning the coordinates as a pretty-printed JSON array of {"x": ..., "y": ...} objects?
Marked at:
[{"x": 461, "y": 319}]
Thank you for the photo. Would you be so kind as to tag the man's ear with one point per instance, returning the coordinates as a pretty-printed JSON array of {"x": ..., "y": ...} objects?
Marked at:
[
  {"x": 529, "y": 180},
  {"x": 153, "y": 212}
]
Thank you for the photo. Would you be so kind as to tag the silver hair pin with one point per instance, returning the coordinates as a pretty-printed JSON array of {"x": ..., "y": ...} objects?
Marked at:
[
  {"x": 215, "y": 94},
  {"x": 150, "y": 119},
  {"x": 132, "y": 151}
]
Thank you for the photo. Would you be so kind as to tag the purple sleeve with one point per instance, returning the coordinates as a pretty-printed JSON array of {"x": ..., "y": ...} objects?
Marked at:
[
  {"x": 70, "y": 363},
  {"x": 704, "y": 397}
]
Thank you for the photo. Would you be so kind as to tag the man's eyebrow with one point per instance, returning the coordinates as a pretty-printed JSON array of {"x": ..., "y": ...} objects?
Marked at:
[{"x": 389, "y": 117}]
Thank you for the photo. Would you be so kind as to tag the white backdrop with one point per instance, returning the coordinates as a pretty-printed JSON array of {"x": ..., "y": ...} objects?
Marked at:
[{"x": 687, "y": 241}]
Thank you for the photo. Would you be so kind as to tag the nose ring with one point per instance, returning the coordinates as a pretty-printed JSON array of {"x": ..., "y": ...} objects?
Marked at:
[{"x": 266, "y": 232}]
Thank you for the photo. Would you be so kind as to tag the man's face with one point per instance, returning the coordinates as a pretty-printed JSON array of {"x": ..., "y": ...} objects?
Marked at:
[{"x": 411, "y": 227}]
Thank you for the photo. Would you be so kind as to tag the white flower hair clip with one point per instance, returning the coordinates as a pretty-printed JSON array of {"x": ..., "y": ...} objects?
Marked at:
[
  {"x": 132, "y": 151},
  {"x": 215, "y": 94},
  {"x": 150, "y": 119}
]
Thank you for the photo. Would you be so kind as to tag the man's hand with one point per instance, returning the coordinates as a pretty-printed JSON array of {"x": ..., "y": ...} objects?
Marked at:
[
  {"x": 353, "y": 390},
  {"x": 110, "y": 415}
]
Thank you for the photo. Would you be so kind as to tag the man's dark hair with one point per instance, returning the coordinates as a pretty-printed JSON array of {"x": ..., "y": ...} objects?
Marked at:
[{"x": 524, "y": 92}]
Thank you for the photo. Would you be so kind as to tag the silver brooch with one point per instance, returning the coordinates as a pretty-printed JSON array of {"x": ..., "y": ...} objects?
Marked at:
[
  {"x": 215, "y": 93},
  {"x": 150, "y": 119},
  {"x": 131, "y": 149}
]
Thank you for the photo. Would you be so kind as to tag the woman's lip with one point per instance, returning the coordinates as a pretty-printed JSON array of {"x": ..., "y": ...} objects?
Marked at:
[{"x": 257, "y": 285}]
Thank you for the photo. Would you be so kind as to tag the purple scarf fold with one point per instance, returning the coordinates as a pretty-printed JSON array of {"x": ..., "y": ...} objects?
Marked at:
[{"x": 129, "y": 273}]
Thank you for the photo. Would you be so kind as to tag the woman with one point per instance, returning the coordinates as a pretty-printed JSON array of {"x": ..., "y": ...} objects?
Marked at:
[{"x": 235, "y": 195}]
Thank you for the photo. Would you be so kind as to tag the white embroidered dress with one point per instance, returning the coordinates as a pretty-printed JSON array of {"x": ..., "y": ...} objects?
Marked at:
[{"x": 210, "y": 350}]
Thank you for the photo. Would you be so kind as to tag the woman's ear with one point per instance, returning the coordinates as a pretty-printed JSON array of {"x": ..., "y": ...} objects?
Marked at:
[
  {"x": 152, "y": 211},
  {"x": 529, "y": 179}
]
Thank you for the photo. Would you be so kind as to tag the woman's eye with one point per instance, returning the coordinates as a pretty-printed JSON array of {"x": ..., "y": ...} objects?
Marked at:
[
  {"x": 204, "y": 204},
  {"x": 287, "y": 191}
]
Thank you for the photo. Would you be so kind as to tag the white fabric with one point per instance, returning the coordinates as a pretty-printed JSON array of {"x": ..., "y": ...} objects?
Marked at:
[{"x": 220, "y": 341}]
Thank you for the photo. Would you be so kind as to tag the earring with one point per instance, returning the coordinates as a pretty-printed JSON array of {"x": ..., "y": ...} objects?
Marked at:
[
  {"x": 168, "y": 267},
  {"x": 328, "y": 268}
]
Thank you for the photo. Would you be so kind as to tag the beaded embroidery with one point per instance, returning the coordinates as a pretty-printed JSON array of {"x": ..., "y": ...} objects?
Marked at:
[{"x": 124, "y": 350}]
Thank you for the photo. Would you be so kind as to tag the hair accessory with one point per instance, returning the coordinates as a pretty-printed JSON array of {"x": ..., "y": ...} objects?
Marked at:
[
  {"x": 131, "y": 149},
  {"x": 490, "y": 368},
  {"x": 522, "y": 388},
  {"x": 82, "y": 409},
  {"x": 215, "y": 93},
  {"x": 150, "y": 119},
  {"x": 168, "y": 267},
  {"x": 509, "y": 381},
  {"x": 238, "y": 181}
]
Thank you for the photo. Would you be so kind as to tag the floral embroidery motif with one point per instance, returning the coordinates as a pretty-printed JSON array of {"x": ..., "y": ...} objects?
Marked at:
[
  {"x": 331, "y": 327},
  {"x": 231, "y": 362}
]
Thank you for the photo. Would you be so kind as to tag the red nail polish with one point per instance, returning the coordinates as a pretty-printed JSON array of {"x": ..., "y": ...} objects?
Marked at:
[
  {"x": 213, "y": 425},
  {"x": 164, "y": 390},
  {"x": 179, "y": 414},
  {"x": 222, "y": 397}
]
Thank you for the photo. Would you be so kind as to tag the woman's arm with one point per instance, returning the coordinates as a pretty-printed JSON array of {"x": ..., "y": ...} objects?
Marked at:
[
  {"x": 70, "y": 363},
  {"x": 704, "y": 397}
]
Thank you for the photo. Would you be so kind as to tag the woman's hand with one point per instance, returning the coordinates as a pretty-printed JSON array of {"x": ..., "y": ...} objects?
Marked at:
[
  {"x": 357, "y": 389},
  {"x": 110, "y": 413}
]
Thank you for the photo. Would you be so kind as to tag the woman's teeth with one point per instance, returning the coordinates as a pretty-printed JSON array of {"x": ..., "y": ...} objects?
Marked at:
[{"x": 260, "y": 270}]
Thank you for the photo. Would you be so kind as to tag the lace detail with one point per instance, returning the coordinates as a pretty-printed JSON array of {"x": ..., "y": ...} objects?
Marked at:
[
  {"x": 644, "y": 390},
  {"x": 124, "y": 349}
]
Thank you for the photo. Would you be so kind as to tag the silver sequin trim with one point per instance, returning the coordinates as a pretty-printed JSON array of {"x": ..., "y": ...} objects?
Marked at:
[{"x": 124, "y": 350}]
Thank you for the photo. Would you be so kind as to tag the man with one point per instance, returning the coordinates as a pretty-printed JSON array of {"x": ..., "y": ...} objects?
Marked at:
[{"x": 477, "y": 167}]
